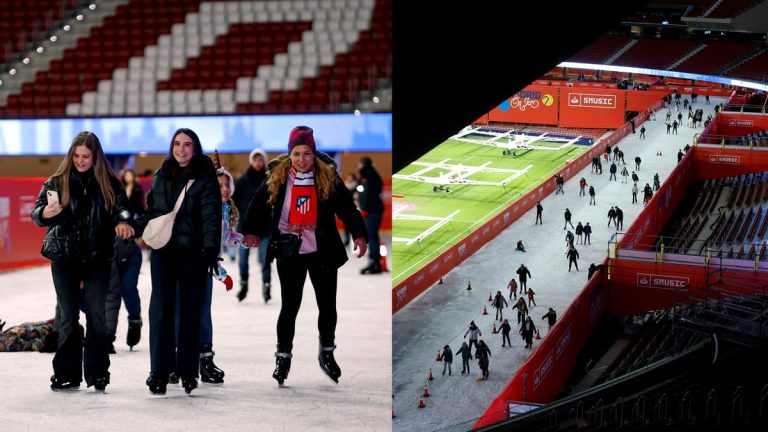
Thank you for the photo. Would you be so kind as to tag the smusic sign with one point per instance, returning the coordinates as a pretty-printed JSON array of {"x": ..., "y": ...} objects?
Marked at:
[
  {"x": 586, "y": 100},
  {"x": 724, "y": 160},
  {"x": 647, "y": 280}
]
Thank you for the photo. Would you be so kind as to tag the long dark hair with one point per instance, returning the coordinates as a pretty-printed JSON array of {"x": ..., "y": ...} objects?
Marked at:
[
  {"x": 101, "y": 169},
  {"x": 172, "y": 167}
]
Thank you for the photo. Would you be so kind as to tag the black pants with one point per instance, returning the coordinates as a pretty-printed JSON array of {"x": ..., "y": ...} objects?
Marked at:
[
  {"x": 572, "y": 261},
  {"x": 538, "y": 219},
  {"x": 189, "y": 272},
  {"x": 465, "y": 366},
  {"x": 471, "y": 342},
  {"x": 68, "y": 361},
  {"x": 372, "y": 224},
  {"x": 499, "y": 315},
  {"x": 293, "y": 273},
  {"x": 505, "y": 339}
]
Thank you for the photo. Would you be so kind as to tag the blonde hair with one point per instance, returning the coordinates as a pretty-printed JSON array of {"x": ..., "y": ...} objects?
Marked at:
[{"x": 325, "y": 177}]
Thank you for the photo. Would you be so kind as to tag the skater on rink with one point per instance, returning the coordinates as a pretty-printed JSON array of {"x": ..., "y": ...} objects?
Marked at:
[
  {"x": 83, "y": 207},
  {"x": 297, "y": 209},
  {"x": 474, "y": 334},
  {"x": 499, "y": 303},
  {"x": 466, "y": 356}
]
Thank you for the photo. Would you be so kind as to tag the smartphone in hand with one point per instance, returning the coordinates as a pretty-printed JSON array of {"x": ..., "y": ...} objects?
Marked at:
[{"x": 53, "y": 197}]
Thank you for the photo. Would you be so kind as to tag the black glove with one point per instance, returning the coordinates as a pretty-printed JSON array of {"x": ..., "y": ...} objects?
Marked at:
[{"x": 211, "y": 259}]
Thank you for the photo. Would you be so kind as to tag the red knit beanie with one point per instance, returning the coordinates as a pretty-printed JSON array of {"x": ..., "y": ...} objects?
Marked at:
[{"x": 301, "y": 135}]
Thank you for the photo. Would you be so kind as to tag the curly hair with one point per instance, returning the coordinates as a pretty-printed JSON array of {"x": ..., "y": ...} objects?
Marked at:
[{"x": 325, "y": 177}]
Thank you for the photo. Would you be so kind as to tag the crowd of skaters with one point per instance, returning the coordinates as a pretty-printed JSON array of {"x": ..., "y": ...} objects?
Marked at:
[{"x": 525, "y": 322}]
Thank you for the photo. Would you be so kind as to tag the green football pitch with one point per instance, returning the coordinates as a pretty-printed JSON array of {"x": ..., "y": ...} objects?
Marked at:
[{"x": 476, "y": 203}]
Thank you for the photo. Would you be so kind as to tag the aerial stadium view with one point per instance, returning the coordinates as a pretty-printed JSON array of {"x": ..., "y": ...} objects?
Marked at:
[{"x": 634, "y": 298}]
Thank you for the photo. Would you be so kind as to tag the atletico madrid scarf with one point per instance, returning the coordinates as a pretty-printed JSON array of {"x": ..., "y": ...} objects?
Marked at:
[{"x": 303, "y": 214}]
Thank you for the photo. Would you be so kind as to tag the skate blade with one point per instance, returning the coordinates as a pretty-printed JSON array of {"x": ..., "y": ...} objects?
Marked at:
[
  {"x": 66, "y": 390},
  {"x": 335, "y": 381}
]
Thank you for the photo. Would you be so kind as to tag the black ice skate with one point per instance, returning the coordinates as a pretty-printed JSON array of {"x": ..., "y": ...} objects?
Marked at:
[
  {"x": 134, "y": 331},
  {"x": 157, "y": 383},
  {"x": 59, "y": 384},
  {"x": 328, "y": 363},
  {"x": 100, "y": 384},
  {"x": 282, "y": 366},
  {"x": 209, "y": 372},
  {"x": 265, "y": 291},
  {"x": 189, "y": 384},
  {"x": 373, "y": 267},
  {"x": 243, "y": 291}
]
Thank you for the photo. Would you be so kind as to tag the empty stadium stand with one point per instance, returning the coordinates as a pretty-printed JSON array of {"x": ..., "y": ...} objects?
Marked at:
[{"x": 214, "y": 57}]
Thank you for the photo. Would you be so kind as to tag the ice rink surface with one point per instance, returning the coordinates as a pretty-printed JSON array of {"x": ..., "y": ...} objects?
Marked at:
[
  {"x": 244, "y": 341},
  {"x": 442, "y": 314}
]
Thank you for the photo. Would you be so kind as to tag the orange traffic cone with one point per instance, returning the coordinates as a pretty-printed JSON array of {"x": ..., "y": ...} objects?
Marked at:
[
  {"x": 441, "y": 281},
  {"x": 494, "y": 331},
  {"x": 469, "y": 286},
  {"x": 490, "y": 296},
  {"x": 485, "y": 311},
  {"x": 421, "y": 403},
  {"x": 430, "y": 377},
  {"x": 439, "y": 357},
  {"x": 426, "y": 392},
  {"x": 538, "y": 336}
]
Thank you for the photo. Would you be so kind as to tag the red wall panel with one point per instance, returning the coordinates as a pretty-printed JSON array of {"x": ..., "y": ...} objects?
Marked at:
[
  {"x": 643, "y": 100},
  {"x": 592, "y": 108},
  {"x": 20, "y": 238}
]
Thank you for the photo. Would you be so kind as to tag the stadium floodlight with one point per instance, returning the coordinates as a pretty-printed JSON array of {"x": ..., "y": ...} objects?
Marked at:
[
  {"x": 40, "y": 50},
  {"x": 26, "y": 60},
  {"x": 54, "y": 38},
  {"x": 1, "y": 83},
  {"x": 79, "y": 17},
  {"x": 92, "y": 6},
  {"x": 375, "y": 99},
  {"x": 357, "y": 112},
  {"x": 67, "y": 27},
  {"x": 12, "y": 71}
]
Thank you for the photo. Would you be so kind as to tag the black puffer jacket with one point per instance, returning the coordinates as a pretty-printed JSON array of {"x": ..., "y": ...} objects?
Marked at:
[
  {"x": 262, "y": 219},
  {"x": 246, "y": 187},
  {"x": 198, "y": 222},
  {"x": 370, "y": 197},
  {"x": 76, "y": 234}
]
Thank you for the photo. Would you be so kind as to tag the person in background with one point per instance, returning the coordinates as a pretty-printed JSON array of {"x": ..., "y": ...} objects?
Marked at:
[
  {"x": 447, "y": 359},
  {"x": 466, "y": 356},
  {"x": 551, "y": 315},
  {"x": 83, "y": 207},
  {"x": 245, "y": 189},
  {"x": 184, "y": 262},
  {"x": 372, "y": 208},
  {"x": 128, "y": 259},
  {"x": 298, "y": 209}
]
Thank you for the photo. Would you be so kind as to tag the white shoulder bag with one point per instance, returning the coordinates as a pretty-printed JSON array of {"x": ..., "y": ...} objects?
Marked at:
[{"x": 159, "y": 229}]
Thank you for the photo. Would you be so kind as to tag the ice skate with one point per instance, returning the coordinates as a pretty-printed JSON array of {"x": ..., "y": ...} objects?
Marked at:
[
  {"x": 157, "y": 384},
  {"x": 328, "y": 363},
  {"x": 100, "y": 384},
  {"x": 189, "y": 384},
  {"x": 209, "y": 372},
  {"x": 59, "y": 384},
  {"x": 134, "y": 331},
  {"x": 243, "y": 291},
  {"x": 282, "y": 366},
  {"x": 265, "y": 291}
]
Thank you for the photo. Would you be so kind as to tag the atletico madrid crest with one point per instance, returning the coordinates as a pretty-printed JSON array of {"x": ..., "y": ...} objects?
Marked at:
[{"x": 302, "y": 204}]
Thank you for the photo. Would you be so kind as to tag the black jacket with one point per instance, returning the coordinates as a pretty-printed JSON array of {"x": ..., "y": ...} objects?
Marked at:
[
  {"x": 370, "y": 197},
  {"x": 84, "y": 231},
  {"x": 246, "y": 187},
  {"x": 198, "y": 223},
  {"x": 263, "y": 219}
]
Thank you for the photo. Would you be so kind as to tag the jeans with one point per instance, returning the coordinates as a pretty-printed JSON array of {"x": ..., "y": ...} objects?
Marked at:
[
  {"x": 68, "y": 361},
  {"x": 129, "y": 281},
  {"x": 372, "y": 224},
  {"x": 293, "y": 273},
  {"x": 266, "y": 270},
  {"x": 447, "y": 365}
]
